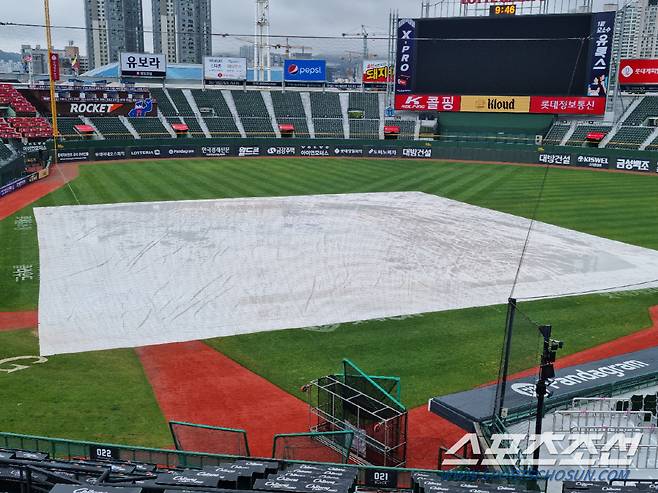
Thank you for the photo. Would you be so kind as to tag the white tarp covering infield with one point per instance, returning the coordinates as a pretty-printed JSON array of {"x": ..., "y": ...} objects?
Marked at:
[{"x": 135, "y": 274}]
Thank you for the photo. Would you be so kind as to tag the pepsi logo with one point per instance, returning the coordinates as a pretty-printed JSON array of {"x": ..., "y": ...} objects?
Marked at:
[{"x": 293, "y": 69}]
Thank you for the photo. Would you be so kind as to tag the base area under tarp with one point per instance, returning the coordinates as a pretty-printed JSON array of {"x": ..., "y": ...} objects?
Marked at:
[{"x": 604, "y": 376}]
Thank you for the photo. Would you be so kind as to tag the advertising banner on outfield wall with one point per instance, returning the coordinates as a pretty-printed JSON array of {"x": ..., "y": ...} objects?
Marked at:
[
  {"x": 143, "y": 65},
  {"x": 404, "y": 67},
  {"x": 427, "y": 102},
  {"x": 138, "y": 108},
  {"x": 73, "y": 156},
  {"x": 305, "y": 70},
  {"x": 224, "y": 68},
  {"x": 496, "y": 104},
  {"x": 638, "y": 72},
  {"x": 376, "y": 72},
  {"x": 567, "y": 105}
]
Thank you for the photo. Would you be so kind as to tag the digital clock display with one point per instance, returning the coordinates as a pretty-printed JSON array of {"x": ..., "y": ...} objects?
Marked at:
[{"x": 502, "y": 10}]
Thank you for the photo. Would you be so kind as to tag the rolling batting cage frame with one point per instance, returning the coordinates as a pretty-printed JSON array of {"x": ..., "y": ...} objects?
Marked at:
[
  {"x": 330, "y": 446},
  {"x": 208, "y": 439},
  {"x": 369, "y": 406}
]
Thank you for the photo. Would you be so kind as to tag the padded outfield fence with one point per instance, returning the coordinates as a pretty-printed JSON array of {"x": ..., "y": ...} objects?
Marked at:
[{"x": 76, "y": 449}]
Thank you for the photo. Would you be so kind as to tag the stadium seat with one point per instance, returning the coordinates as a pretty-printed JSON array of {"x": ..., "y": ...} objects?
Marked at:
[
  {"x": 179, "y": 99},
  {"x": 407, "y": 128},
  {"x": 579, "y": 136},
  {"x": 364, "y": 129},
  {"x": 288, "y": 108},
  {"x": 195, "y": 129},
  {"x": 368, "y": 102},
  {"x": 66, "y": 127},
  {"x": 213, "y": 101},
  {"x": 328, "y": 128},
  {"x": 111, "y": 128},
  {"x": 556, "y": 134},
  {"x": 222, "y": 127},
  {"x": 250, "y": 104},
  {"x": 164, "y": 105},
  {"x": 325, "y": 105},
  {"x": 648, "y": 107},
  {"x": 149, "y": 128},
  {"x": 629, "y": 137}
]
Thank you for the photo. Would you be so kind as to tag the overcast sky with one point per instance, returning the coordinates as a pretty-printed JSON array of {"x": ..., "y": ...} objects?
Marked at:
[{"x": 301, "y": 17}]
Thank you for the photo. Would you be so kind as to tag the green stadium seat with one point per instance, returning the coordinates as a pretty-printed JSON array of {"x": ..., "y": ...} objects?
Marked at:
[
  {"x": 325, "y": 105},
  {"x": 222, "y": 127},
  {"x": 407, "y": 128},
  {"x": 579, "y": 136},
  {"x": 556, "y": 134},
  {"x": 111, "y": 128},
  {"x": 648, "y": 107},
  {"x": 179, "y": 99},
  {"x": 368, "y": 102},
  {"x": 328, "y": 128},
  {"x": 164, "y": 105},
  {"x": 364, "y": 129},
  {"x": 211, "y": 103},
  {"x": 629, "y": 137},
  {"x": 149, "y": 128}
]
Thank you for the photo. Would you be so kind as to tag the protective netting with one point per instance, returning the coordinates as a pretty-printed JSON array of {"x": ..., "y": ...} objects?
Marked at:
[
  {"x": 193, "y": 437},
  {"x": 520, "y": 360},
  {"x": 331, "y": 447}
]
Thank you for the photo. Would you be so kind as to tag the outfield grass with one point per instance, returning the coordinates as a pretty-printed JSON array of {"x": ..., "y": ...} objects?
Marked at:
[
  {"x": 434, "y": 353},
  {"x": 99, "y": 396}
]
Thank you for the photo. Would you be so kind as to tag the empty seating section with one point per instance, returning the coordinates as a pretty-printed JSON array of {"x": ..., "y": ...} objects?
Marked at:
[
  {"x": 164, "y": 105},
  {"x": 250, "y": 104},
  {"x": 11, "y": 98},
  {"x": 258, "y": 127},
  {"x": 629, "y": 137},
  {"x": 7, "y": 131},
  {"x": 328, "y": 128},
  {"x": 325, "y": 105},
  {"x": 364, "y": 129},
  {"x": 36, "y": 128},
  {"x": 179, "y": 99},
  {"x": 648, "y": 107},
  {"x": 211, "y": 100},
  {"x": 66, "y": 127},
  {"x": 222, "y": 127},
  {"x": 368, "y": 102},
  {"x": 193, "y": 127},
  {"x": 407, "y": 128},
  {"x": 556, "y": 134},
  {"x": 111, "y": 128},
  {"x": 149, "y": 128},
  {"x": 579, "y": 137},
  {"x": 288, "y": 108},
  {"x": 653, "y": 145}
]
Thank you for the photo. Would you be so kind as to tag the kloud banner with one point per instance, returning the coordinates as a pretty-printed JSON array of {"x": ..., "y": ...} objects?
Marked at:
[
  {"x": 305, "y": 70},
  {"x": 427, "y": 102},
  {"x": 495, "y": 104},
  {"x": 638, "y": 72},
  {"x": 404, "y": 67},
  {"x": 224, "y": 68},
  {"x": 600, "y": 50},
  {"x": 376, "y": 72},
  {"x": 72, "y": 156},
  {"x": 143, "y": 65}
]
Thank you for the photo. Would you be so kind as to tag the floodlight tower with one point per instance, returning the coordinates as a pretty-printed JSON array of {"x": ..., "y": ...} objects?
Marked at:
[{"x": 262, "y": 63}]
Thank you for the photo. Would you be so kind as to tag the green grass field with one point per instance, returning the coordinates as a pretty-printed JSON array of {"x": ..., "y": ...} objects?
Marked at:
[{"x": 433, "y": 353}]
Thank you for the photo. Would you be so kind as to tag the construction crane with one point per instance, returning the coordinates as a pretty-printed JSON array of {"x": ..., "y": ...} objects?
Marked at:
[
  {"x": 287, "y": 47},
  {"x": 365, "y": 34}
]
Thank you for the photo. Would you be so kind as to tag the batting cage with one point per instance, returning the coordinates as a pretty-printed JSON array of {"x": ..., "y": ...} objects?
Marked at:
[
  {"x": 193, "y": 437},
  {"x": 331, "y": 446},
  {"x": 367, "y": 405}
]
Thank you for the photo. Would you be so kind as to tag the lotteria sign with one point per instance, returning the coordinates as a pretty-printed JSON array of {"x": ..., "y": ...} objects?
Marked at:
[{"x": 305, "y": 70}]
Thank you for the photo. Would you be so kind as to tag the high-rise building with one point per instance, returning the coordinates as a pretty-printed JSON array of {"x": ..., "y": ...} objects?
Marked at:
[
  {"x": 182, "y": 29},
  {"x": 113, "y": 26},
  {"x": 636, "y": 32}
]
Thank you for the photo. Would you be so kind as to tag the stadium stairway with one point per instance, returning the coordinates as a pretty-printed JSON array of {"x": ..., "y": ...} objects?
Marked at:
[
  {"x": 166, "y": 124},
  {"x": 129, "y": 126},
  {"x": 228, "y": 97},
  {"x": 344, "y": 99},
  {"x": 87, "y": 121},
  {"x": 267, "y": 99}
]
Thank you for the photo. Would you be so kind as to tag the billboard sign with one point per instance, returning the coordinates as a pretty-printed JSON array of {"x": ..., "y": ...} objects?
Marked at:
[
  {"x": 138, "y": 108},
  {"x": 638, "y": 72},
  {"x": 143, "y": 65},
  {"x": 376, "y": 72},
  {"x": 404, "y": 75},
  {"x": 305, "y": 70},
  {"x": 224, "y": 68},
  {"x": 556, "y": 105},
  {"x": 496, "y": 104},
  {"x": 600, "y": 51},
  {"x": 54, "y": 66}
]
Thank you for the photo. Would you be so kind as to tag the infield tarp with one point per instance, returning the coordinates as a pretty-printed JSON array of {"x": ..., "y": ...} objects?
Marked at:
[
  {"x": 476, "y": 405},
  {"x": 126, "y": 275}
]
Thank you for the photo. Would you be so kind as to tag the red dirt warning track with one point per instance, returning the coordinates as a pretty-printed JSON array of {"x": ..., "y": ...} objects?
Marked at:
[
  {"x": 194, "y": 383},
  {"x": 15, "y": 201},
  {"x": 17, "y": 320}
]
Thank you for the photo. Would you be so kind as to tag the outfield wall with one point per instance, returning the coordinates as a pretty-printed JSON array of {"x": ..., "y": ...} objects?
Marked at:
[{"x": 108, "y": 150}]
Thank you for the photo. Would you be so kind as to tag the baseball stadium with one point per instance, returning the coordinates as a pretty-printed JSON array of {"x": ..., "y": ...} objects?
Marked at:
[{"x": 266, "y": 274}]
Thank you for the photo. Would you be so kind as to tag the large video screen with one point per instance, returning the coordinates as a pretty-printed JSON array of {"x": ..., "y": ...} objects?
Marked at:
[
  {"x": 525, "y": 55},
  {"x": 565, "y": 56}
]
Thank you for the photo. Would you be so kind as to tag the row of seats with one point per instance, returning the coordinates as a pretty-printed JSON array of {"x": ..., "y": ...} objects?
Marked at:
[
  {"x": 10, "y": 97},
  {"x": 7, "y": 131},
  {"x": 31, "y": 127}
]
